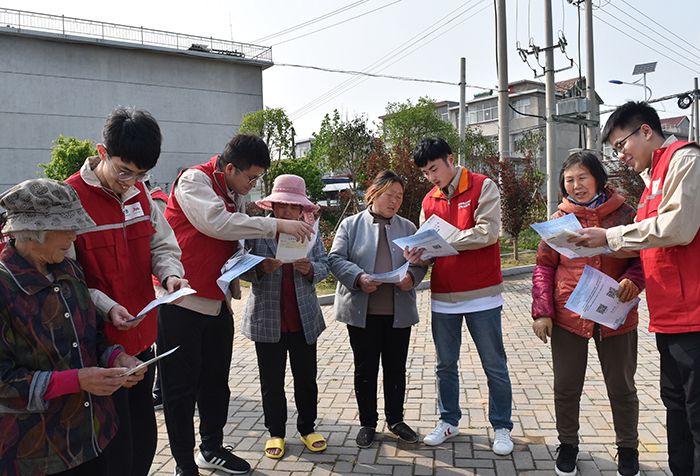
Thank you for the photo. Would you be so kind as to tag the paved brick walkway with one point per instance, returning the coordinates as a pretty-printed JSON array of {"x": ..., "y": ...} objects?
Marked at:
[{"x": 467, "y": 454}]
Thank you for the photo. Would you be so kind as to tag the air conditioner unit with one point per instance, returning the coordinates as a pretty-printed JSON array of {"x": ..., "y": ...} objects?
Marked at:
[{"x": 573, "y": 106}]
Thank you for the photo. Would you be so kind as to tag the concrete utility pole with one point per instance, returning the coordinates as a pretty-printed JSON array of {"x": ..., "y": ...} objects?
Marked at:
[
  {"x": 462, "y": 107},
  {"x": 550, "y": 100},
  {"x": 593, "y": 136},
  {"x": 696, "y": 108},
  {"x": 503, "y": 110}
]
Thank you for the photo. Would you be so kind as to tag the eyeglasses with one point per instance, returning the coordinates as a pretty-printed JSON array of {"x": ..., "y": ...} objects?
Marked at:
[
  {"x": 620, "y": 144},
  {"x": 252, "y": 180},
  {"x": 127, "y": 176}
]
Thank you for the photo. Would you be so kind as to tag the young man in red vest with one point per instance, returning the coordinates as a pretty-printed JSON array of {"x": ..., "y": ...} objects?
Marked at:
[
  {"x": 207, "y": 213},
  {"x": 466, "y": 287},
  {"x": 665, "y": 235},
  {"x": 131, "y": 242}
]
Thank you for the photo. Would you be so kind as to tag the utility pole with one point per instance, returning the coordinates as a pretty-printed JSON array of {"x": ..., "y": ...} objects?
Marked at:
[
  {"x": 550, "y": 100},
  {"x": 696, "y": 108},
  {"x": 592, "y": 138},
  {"x": 502, "y": 58},
  {"x": 462, "y": 108}
]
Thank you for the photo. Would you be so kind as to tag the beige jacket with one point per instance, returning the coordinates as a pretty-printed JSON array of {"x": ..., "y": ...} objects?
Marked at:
[
  {"x": 679, "y": 211},
  {"x": 207, "y": 212},
  {"x": 165, "y": 252},
  {"x": 485, "y": 232}
]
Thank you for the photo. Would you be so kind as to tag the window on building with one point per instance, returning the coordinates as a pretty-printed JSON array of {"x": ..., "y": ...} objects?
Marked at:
[
  {"x": 521, "y": 105},
  {"x": 483, "y": 112}
]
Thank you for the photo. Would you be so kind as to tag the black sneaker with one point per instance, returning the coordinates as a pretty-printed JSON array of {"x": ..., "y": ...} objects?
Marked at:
[
  {"x": 404, "y": 432},
  {"x": 223, "y": 460},
  {"x": 566, "y": 460},
  {"x": 627, "y": 461},
  {"x": 157, "y": 401},
  {"x": 185, "y": 472},
  {"x": 365, "y": 437}
]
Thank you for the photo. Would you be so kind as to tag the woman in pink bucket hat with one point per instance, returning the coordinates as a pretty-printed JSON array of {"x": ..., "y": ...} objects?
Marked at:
[{"x": 282, "y": 316}]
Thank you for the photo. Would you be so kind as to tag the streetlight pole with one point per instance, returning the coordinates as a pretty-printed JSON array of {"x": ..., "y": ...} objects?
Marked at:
[{"x": 647, "y": 89}]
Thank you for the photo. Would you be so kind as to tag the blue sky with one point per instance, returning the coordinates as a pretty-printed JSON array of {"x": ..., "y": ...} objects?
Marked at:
[{"x": 375, "y": 37}]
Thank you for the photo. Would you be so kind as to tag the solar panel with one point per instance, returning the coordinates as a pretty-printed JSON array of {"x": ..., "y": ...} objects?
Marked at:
[{"x": 644, "y": 68}]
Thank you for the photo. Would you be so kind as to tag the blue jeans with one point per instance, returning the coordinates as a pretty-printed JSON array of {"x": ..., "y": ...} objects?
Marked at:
[{"x": 485, "y": 329}]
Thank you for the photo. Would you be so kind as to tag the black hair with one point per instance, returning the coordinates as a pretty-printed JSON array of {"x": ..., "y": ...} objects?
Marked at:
[
  {"x": 134, "y": 136},
  {"x": 429, "y": 149},
  {"x": 590, "y": 161},
  {"x": 631, "y": 115},
  {"x": 244, "y": 151}
]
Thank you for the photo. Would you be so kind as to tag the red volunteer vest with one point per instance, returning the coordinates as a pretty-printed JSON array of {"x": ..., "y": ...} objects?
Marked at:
[
  {"x": 116, "y": 257},
  {"x": 158, "y": 194},
  {"x": 672, "y": 274},
  {"x": 472, "y": 269},
  {"x": 202, "y": 255}
]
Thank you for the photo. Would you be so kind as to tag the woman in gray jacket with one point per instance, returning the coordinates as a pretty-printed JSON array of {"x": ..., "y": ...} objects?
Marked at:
[{"x": 379, "y": 316}]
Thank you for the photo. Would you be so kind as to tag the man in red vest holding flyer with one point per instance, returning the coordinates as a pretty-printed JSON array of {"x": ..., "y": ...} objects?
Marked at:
[
  {"x": 665, "y": 234},
  {"x": 131, "y": 242},
  {"x": 207, "y": 213},
  {"x": 465, "y": 288}
]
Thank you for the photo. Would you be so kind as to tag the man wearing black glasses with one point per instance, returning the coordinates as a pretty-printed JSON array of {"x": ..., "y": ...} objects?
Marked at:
[
  {"x": 665, "y": 234},
  {"x": 207, "y": 213},
  {"x": 131, "y": 242}
]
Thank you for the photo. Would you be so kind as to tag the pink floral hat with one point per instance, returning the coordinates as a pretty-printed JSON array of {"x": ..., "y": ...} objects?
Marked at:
[{"x": 288, "y": 188}]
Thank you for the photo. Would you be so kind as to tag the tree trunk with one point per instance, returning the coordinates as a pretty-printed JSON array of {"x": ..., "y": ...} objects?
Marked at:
[{"x": 516, "y": 254}]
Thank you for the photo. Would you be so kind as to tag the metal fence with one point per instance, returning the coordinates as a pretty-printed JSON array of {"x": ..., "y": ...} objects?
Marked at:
[{"x": 68, "y": 26}]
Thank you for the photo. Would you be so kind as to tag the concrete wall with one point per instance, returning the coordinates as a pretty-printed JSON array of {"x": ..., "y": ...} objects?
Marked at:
[{"x": 51, "y": 86}]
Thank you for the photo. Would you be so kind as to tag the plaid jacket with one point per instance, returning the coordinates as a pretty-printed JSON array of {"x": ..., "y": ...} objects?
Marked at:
[
  {"x": 262, "y": 320},
  {"x": 47, "y": 326}
]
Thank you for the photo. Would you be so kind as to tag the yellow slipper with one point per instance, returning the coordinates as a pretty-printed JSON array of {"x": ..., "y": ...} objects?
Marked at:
[
  {"x": 311, "y": 442},
  {"x": 274, "y": 444}
]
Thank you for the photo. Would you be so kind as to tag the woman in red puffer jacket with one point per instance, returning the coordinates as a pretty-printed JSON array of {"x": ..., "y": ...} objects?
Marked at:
[{"x": 583, "y": 183}]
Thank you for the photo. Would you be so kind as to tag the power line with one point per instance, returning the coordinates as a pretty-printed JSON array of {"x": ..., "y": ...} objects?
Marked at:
[
  {"x": 616, "y": 28},
  {"x": 660, "y": 34},
  {"x": 659, "y": 24},
  {"x": 337, "y": 23},
  {"x": 372, "y": 75},
  {"x": 308, "y": 22},
  {"x": 349, "y": 82},
  {"x": 397, "y": 59},
  {"x": 381, "y": 63}
]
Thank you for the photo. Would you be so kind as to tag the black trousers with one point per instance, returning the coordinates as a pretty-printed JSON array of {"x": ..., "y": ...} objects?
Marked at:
[
  {"x": 196, "y": 374},
  {"x": 134, "y": 445},
  {"x": 272, "y": 364},
  {"x": 99, "y": 466},
  {"x": 680, "y": 392},
  {"x": 379, "y": 339}
]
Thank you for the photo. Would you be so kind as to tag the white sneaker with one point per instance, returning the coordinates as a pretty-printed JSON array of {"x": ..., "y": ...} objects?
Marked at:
[
  {"x": 442, "y": 431},
  {"x": 502, "y": 443}
]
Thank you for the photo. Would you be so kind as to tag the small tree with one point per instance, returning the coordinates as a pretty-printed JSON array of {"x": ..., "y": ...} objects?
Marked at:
[
  {"x": 67, "y": 156},
  {"x": 342, "y": 145},
  {"x": 626, "y": 181},
  {"x": 414, "y": 122},
  {"x": 274, "y": 127},
  {"x": 518, "y": 181}
]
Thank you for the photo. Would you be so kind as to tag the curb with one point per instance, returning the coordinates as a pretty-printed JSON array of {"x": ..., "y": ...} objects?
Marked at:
[{"x": 328, "y": 299}]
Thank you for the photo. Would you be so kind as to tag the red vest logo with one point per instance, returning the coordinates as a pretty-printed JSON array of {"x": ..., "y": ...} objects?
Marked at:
[{"x": 466, "y": 204}]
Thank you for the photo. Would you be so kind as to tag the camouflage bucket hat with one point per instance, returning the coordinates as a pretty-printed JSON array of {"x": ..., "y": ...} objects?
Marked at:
[{"x": 43, "y": 205}]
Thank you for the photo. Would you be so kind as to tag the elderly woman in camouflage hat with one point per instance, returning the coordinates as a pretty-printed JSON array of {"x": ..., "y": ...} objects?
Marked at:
[{"x": 56, "y": 368}]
